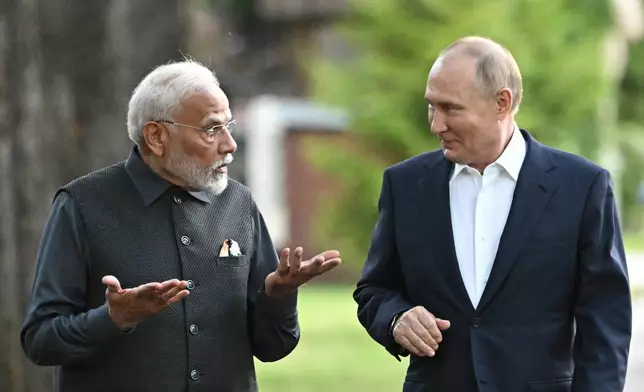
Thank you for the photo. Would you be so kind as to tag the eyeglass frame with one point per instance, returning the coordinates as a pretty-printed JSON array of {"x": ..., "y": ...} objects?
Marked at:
[{"x": 209, "y": 131}]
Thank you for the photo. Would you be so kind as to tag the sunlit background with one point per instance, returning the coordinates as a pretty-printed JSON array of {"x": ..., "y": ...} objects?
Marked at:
[{"x": 326, "y": 93}]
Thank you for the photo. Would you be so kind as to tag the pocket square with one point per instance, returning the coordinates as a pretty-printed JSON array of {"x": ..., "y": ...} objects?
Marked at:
[{"x": 230, "y": 248}]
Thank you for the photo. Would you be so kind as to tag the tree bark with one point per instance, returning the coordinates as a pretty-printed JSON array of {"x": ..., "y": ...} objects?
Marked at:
[{"x": 67, "y": 68}]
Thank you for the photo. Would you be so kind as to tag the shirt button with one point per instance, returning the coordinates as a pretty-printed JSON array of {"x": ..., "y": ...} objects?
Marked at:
[
  {"x": 194, "y": 329},
  {"x": 191, "y": 284},
  {"x": 194, "y": 375},
  {"x": 185, "y": 240},
  {"x": 476, "y": 322},
  {"x": 177, "y": 200}
]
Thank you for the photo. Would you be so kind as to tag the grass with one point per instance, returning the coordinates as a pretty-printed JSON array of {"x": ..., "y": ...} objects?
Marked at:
[
  {"x": 637, "y": 293},
  {"x": 634, "y": 241},
  {"x": 335, "y": 353}
]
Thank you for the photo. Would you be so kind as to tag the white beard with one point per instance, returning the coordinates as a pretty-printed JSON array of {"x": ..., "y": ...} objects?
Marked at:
[{"x": 196, "y": 176}]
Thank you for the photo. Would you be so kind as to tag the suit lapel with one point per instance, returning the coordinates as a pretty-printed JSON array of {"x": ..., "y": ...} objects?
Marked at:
[
  {"x": 532, "y": 193},
  {"x": 433, "y": 198}
]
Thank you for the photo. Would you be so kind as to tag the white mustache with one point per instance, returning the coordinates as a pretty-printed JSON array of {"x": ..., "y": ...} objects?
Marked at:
[{"x": 227, "y": 159}]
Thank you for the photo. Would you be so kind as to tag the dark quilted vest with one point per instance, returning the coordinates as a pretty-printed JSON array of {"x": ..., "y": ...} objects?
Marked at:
[{"x": 199, "y": 344}]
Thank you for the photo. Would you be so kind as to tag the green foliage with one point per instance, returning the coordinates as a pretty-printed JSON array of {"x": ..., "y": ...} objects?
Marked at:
[
  {"x": 631, "y": 99},
  {"x": 631, "y": 102},
  {"x": 555, "y": 42}
]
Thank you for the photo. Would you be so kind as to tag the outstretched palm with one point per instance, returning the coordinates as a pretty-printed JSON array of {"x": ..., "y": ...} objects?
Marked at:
[{"x": 292, "y": 272}]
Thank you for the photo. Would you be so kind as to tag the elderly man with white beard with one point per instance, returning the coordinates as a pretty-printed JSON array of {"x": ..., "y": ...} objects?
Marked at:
[{"x": 158, "y": 273}]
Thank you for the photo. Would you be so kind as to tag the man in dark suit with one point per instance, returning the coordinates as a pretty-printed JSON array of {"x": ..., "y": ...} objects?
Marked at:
[
  {"x": 496, "y": 262},
  {"x": 158, "y": 273}
]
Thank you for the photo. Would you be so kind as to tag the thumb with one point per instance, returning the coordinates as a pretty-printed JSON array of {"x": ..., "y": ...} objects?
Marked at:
[
  {"x": 113, "y": 284},
  {"x": 443, "y": 324}
]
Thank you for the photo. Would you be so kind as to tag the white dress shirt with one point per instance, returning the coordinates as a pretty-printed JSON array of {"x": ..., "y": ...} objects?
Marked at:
[{"x": 479, "y": 209}]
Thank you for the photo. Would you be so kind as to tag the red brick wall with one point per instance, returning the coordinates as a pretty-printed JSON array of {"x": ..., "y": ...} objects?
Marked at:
[{"x": 306, "y": 187}]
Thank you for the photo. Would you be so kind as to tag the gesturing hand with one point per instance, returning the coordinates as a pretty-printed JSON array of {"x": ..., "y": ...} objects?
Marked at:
[
  {"x": 128, "y": 307},
  {"x": 419, "y": 332},
  {"x": 293, "y": 272}
]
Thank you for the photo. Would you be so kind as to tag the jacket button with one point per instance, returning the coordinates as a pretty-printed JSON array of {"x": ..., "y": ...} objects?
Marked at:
[
  {"x": 194, "y": 375},
  {"x": 476, "y": 322},
  {"x": 194, "y": 329},
  {"x": 191, "y": 284},
  {"x": 177, "y": 200},
  {"x": 185, "y": 239}
]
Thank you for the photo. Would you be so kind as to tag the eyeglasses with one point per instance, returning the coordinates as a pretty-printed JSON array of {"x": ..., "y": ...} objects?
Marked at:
[{"x": 212, "y": 132}]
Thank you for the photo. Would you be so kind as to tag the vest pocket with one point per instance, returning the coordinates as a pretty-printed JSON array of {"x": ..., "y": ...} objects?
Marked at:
[{"x": 233, "y": 261}]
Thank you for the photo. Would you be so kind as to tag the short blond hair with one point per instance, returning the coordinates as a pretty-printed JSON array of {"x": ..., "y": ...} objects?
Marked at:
[{"x": 496, "y": 68}]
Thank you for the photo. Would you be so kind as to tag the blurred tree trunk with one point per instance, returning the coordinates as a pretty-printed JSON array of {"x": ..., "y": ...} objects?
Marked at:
[{"x": 66, "y": 71}]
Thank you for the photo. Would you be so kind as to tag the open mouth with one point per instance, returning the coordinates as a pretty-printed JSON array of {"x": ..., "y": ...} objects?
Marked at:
[{"x": 222, "y": 169}]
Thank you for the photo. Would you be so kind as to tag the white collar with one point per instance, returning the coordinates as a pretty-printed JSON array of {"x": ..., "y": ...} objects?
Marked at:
[{"x": 511, "y": 159}]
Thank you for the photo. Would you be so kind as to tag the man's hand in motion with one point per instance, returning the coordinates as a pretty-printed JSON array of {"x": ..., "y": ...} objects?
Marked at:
[
  {"x": 293, "y": 272},
  {"x": 128, "y": 307},
  {"x": 419, "y": 332}
]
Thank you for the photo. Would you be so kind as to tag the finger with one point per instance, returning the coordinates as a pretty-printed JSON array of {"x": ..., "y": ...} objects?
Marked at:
[
  {"x": 418, "y": 342},
  {"x": 296, "y": 261},
  {"x": 412, "y": 325},
  {"x": 148, "y": 288},
  {"x": 443, "y": 324},
  {"x": 429, "y": 322},
  {"x": 330, "y": 254},
  {"x": 113, "y": 284},
  {"x": 422, "y": 332},
  {"x": 313, "y": 264},
  {"x": 317, "y": 265},
  {"x": 179, "y": 296},
  {"x": 166, "y": 296},
  {"x": 329, "y": 265},
  {"x": 168, "y": 284},
  {"x": 407, "y": 345},
  {"x": 283, "y": 266}
]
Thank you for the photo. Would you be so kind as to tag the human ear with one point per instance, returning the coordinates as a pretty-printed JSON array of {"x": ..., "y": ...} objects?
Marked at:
[
  {"x": 154, "y": 137},
  {"x": 504, "y": 102}
]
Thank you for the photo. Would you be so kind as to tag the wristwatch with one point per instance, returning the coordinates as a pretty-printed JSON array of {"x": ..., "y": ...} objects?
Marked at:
[
  {"x": 393, "y": 324},
  {"x": 399, "y": 349}
]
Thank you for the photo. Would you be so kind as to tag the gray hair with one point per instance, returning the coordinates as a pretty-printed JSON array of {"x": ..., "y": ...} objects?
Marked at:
[
  {"x": 159, "y": 95},
  {"x": 496, "y": 68}
]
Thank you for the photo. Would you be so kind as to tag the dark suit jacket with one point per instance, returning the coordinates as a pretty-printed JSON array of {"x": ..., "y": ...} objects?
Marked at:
[{"x": 556, "y": 312}]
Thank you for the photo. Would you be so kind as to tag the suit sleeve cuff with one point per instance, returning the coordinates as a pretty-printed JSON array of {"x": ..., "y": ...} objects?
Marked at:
[
  {"x": 389, "y": 311},
  {"x": 396, "y": 349},
  {"x": 277, "y": 307},
  {"x": 101, "y": 326}
]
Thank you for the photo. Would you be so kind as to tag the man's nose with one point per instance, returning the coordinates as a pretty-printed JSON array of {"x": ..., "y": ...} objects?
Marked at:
[
  {"x": 227, "y": 145},
  {"x": 437, "y": 123}
]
